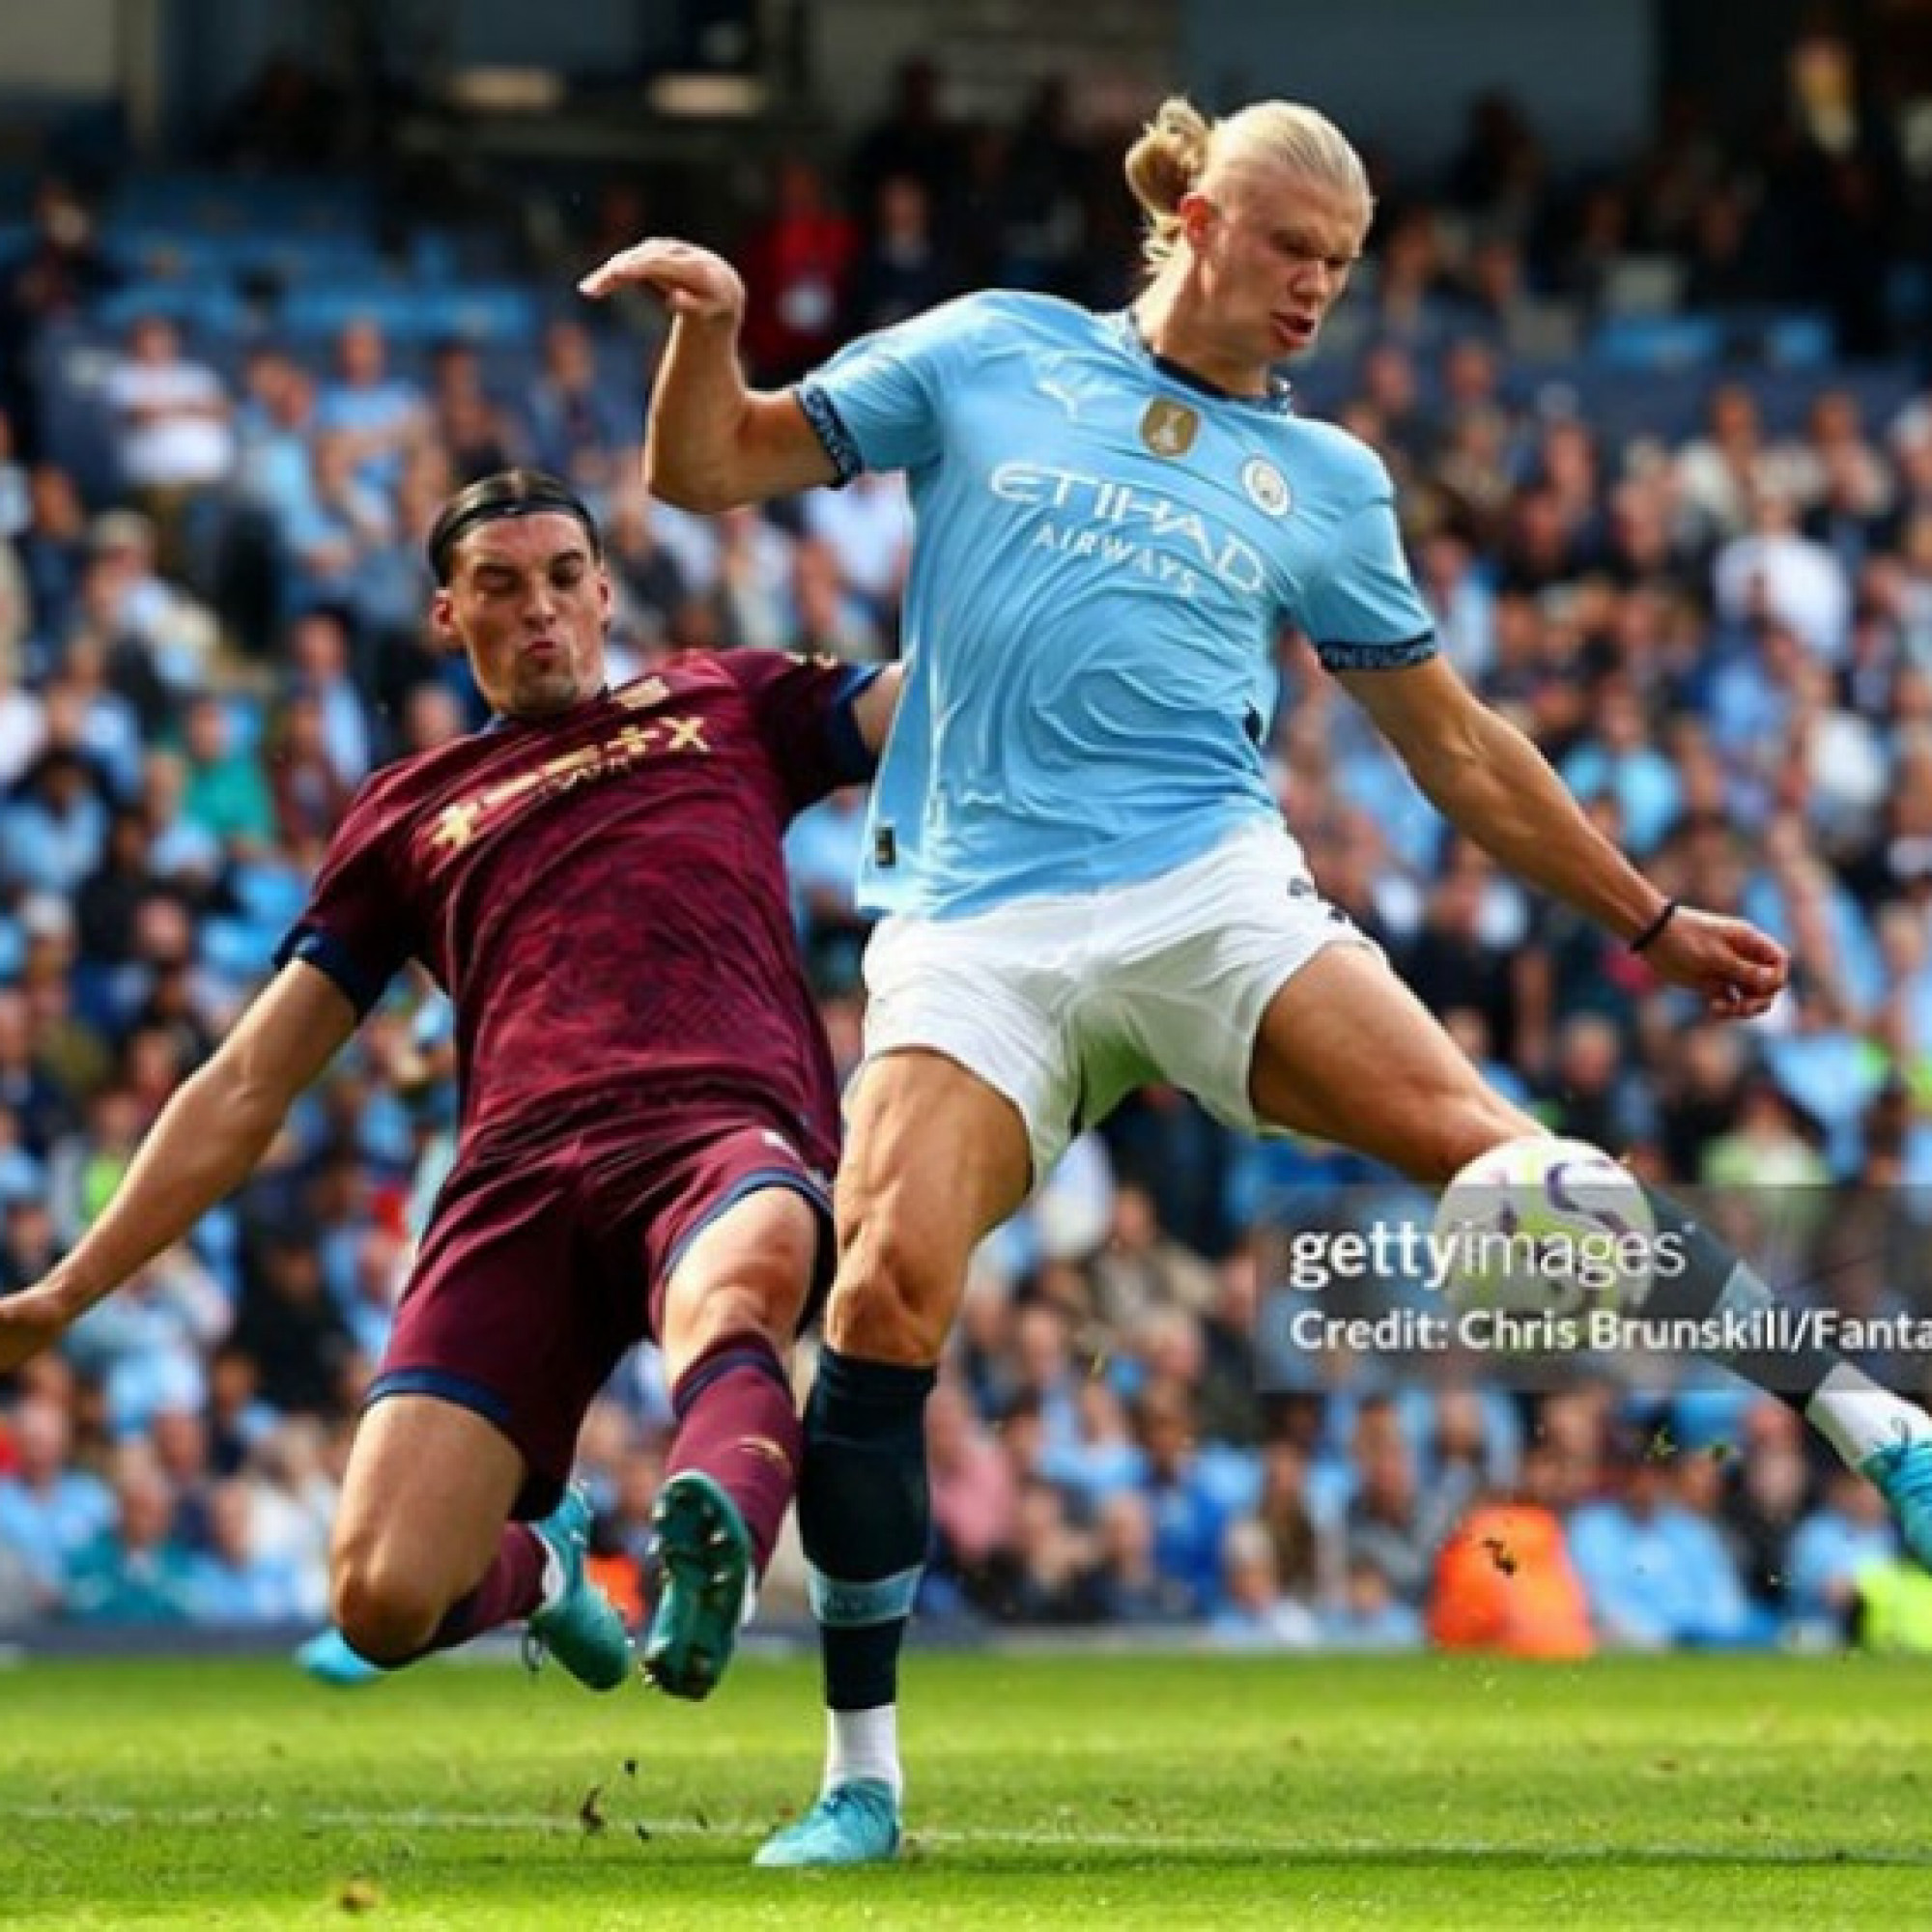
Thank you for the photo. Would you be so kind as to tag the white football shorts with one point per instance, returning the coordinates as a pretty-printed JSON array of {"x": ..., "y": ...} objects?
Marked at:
[{"x": 1065, "y": 1004}]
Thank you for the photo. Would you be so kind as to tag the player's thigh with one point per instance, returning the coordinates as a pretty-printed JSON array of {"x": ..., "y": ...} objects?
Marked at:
[
  {"x": 935, "y": 1157},
  {"x": 429, "y": 1487},
  {"x": 748, "y": 1270},
  {"x": 995, "y": 994},
  {"x": 1345, "y": 1051}
]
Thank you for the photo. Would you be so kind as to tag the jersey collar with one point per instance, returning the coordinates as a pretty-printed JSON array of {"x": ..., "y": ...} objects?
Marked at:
[{"x": 1126, "y": 326}]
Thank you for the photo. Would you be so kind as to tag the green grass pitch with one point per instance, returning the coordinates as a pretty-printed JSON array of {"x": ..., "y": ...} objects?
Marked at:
[{"x": 1069, "y": 1791}]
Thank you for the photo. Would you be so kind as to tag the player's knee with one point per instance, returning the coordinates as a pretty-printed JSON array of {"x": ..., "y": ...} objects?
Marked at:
[
  {"x": 387, "y": 1613},
  {"x": 727, "y": 1318},
  {"x": 892, "y": 1301}
]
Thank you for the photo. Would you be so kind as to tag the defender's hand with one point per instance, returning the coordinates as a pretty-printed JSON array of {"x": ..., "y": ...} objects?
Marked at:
[
  {"x": 33, "y": 1320},
  {"x": 691, "y": 281}
]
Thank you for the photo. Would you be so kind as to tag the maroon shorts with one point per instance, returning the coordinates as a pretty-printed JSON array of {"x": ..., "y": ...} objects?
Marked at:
[{"x": 539, "y": 1269}]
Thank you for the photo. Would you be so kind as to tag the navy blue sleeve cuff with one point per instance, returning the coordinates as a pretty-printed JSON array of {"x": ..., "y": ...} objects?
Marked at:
[
  {"x": 851, "y": 760},
  {"x": 822, "y": 413},
  {"x": 327, "y": 953},
  {"x": 1398, "y": 656}
]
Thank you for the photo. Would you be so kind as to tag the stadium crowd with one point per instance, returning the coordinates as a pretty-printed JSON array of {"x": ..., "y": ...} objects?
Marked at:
[{"x": 1686, "y": 540}]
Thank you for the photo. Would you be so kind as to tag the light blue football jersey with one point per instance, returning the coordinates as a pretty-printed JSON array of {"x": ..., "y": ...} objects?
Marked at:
[{"x": 1105, "y": 549}]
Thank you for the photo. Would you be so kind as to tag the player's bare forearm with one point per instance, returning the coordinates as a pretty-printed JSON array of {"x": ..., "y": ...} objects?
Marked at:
[
  {"x": 699, "y": 406},
  {"x": 711, "y": 444},
  {"x": 210, "y": 1136},
  {"x": 206, "y": 1143},
  {"x": 1504, "y": 795},
  {"x": 1490, "y": 781}
]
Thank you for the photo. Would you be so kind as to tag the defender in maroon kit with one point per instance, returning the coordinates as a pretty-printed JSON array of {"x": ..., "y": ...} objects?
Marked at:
[{"x": 648, "y": 1121}]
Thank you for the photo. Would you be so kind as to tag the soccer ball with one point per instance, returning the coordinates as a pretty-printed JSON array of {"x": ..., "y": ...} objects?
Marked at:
[{"x": 1545, "y": 1228}]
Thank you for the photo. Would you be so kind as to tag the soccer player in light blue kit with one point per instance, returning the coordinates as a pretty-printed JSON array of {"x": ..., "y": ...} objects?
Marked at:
[{"x": 1087, "y": 880}]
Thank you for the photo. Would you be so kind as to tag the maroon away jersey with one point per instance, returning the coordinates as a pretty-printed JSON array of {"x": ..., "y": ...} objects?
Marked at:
[{"x": 602, "y": 897}]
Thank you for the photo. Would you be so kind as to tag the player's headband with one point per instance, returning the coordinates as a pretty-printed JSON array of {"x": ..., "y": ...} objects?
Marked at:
[{"x": 513, "y": 492}]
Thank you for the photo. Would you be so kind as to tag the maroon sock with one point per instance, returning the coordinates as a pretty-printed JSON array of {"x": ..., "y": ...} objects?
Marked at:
[
  {"x": 737, "y": 1421},
  {"x": 511, "y": 1587}
]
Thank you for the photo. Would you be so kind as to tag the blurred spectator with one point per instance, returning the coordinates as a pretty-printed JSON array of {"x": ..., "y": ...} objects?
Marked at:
[
  {"x": 1370, "y": 1615},
  {"x": 828, "y": 621},
  {"x": 1768, "y": 1484},
  {"x": 319, "y": 669},
  {"x": 1849, "y": 1531},
  {"x": 914, "y": 139},
  {"x": 345, "y": 523},
  {"x": 797, "y": 263},
  {"x": 287, "y": 1324},
  {"x": 174, "y": 427},
  {"x": 50, "y": 276},
  {"x": 135, "y": 1570},
  {"x": 1044, "y": 1573},
  {"x": 1254, "y": 1613},
  {"x": 225, "y": 793},
  {"x": 472, "y": 427},
  {"x": 233, "y": 1581},
  {"x": 52, "y": 552},
  {"x": 40, "y": 1103},
  {"x": 379, "y": 416},
  {"x": 53, "y": 833},
  {"x": 867, "y": 525},
  {"x": 1656, "y": 1572},
  {"x": 577, "y": 431},
  {"x": 1143, "y": 1267},
  {"x": 158, "y": 640},
  {"x": 1128, "y": 1585},
  {"x": 1190, "y": 1517},
  {"x": 903, "y": 268},
  {"x": 49, "y": 1512},
  {"x": 304, "y": 781}
]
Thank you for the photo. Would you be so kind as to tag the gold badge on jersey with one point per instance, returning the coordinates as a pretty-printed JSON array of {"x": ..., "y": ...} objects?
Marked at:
[{"x": 1169, "y": 428}]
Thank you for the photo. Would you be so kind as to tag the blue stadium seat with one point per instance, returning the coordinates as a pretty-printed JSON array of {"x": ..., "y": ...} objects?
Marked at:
[
  {"x": 211, "y": 308},
  {"x": 269, "y": 895},
  {"x": 170, "y": 253},
  {"x": 477, "y": 313},
  {"x": 1658, "y": 342},
  {"x": 241, "y": 203}
]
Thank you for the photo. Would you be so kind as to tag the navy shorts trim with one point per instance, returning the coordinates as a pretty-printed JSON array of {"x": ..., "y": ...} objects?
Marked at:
[
  {"x": 445, "y": 1387},
  {"x": 756, "y": 1183}
]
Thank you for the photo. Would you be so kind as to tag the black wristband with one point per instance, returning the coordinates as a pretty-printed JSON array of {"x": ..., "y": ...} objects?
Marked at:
[{"x": 1656, "y": 926}]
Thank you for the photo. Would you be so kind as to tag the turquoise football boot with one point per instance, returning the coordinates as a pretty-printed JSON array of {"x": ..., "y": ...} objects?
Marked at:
[
  {"x": 580, "y": 1626},
  {"x": 853, "y": 1823},
  {"x": 1902, "y": 1472},
  {"x": 704, "y": 1562},
  {"x": 327, "y": 1658}
]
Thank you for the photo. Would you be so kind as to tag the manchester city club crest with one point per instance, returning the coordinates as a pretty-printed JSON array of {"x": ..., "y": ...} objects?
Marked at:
[
  {"x": 1169, "y": 428},
  {"x": 1266, "y": 487}
]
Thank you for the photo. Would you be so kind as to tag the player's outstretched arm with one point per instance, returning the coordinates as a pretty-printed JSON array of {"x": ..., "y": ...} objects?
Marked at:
[
  {"x": 710, "y": 442},
  {"x": 1490, "y": 781},
  {"x": 205, "y": 1144}
]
